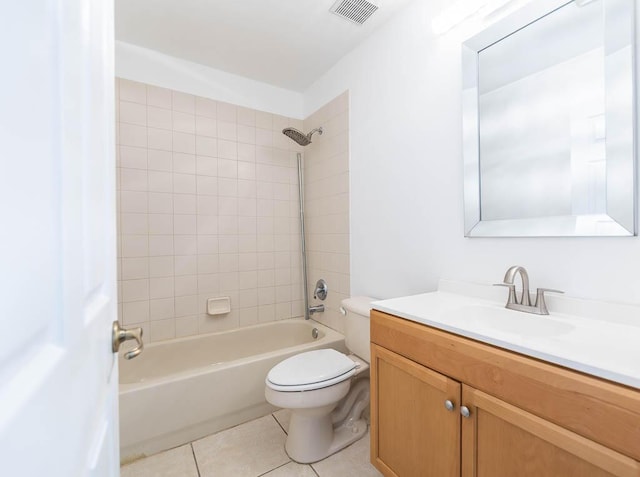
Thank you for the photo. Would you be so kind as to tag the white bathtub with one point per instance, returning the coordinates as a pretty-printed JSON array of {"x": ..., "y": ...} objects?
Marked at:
[{"x": 180, "y": 390}]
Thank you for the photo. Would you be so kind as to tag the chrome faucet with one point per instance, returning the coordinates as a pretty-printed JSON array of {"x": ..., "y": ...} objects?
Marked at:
[
  {"x": 316, "y": 309},
  {"x": 524, "y": 304}
]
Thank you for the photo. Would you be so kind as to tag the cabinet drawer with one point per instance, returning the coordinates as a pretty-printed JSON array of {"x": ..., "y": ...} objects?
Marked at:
[{"x": 599, "y": 410}]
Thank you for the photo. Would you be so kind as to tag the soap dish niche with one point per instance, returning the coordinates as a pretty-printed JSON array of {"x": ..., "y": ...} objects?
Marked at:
[{"x": 218, "y": 306}]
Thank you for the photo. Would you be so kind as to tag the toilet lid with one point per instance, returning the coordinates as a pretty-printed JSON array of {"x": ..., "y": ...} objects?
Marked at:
[{"x": 311, "y": 370}]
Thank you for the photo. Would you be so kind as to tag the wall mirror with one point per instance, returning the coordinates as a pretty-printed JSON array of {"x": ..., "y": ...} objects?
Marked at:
[{"x": 548, "y": 120}]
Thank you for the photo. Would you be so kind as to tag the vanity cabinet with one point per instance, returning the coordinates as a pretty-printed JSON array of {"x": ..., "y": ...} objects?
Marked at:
[{"x": 444, "y": 406}]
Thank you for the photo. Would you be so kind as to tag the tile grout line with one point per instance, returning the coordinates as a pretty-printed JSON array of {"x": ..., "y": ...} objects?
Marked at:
[
  {"x": 278, "y": 422},
  {"x": 195, "y": 459},
  {"x": 313, "y": 470},
  {"x": 275, "y": 468}
]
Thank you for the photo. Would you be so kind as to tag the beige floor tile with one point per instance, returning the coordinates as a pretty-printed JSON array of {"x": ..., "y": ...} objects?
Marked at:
[
  {"x": 352, "y": 461},
  {"x": 283, "y": 416},
  {"x": 248, "y": 450},
  {"x": 292, "y": 469},
  {"x": 178, "y": 462}
]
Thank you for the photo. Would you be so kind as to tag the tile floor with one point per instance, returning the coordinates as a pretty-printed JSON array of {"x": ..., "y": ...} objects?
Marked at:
[{"x": 253, "y": 449}]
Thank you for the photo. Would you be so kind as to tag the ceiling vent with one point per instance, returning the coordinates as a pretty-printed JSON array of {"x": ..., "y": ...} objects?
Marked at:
[{"x": 357, "y": 11}]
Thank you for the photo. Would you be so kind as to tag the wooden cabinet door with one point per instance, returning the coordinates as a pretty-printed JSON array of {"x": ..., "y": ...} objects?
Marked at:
[
  {"x": 412, "y": 432},
  {"x": 501, "y": 440}
]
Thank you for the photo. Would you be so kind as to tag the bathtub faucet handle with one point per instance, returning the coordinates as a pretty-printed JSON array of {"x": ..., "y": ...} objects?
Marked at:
[{"x": 120, "y": 335}]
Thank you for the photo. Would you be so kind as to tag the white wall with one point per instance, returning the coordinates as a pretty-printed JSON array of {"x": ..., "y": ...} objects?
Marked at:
[
  {"x": 148, "y": 66},
  {"x": 406, "y": 178}
]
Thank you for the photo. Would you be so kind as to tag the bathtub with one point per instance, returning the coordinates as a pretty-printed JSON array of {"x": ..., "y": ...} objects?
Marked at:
[{"x": 184, "y": 389}]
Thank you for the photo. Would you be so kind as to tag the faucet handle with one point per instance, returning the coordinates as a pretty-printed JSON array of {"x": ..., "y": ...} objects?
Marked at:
[
  {"x": 550, "y": 290},
  {"x": 540, "y": 304},
  {"x": 512, "y": 291}
]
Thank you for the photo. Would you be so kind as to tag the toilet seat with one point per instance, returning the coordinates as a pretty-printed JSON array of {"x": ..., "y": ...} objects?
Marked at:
[{"x": 311, "y": 370}]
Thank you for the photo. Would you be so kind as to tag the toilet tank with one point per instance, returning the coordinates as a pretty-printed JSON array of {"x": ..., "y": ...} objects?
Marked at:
[{"x": 357, "y": 333}]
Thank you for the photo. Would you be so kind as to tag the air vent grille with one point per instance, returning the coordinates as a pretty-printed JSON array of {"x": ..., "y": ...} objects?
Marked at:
[{"x": 357, "y": 11}]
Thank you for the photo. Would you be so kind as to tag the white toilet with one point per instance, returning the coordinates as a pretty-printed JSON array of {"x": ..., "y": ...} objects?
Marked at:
[{"x": 326, "y": 390}]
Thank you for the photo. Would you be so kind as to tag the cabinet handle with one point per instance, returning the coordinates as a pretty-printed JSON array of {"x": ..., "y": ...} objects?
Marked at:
[
  {"x": 464, "y": 410},
  {"x": 448, "y": 404}
]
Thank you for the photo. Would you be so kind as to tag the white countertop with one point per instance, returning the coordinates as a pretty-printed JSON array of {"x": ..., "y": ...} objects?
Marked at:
[{"x": 604, "y": 340}]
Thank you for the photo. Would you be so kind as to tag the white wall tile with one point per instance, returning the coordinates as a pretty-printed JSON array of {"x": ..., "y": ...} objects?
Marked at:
[
  {"x": 186, "y": 285},
  {"x": 264, "y": 120},
  {"x": 133, "y": 157},
  {"x": 162, "y": 330},
  {"x": 132, "y": 135},
  {"x": 227, "y": 112},
  {"x": 186, "y": 305},
  {"x": 132, "y": 91},
  {"x": 207, "y": 244},
  {"x": 246, "y": 152},
  {"x": 184, "y": 142},
  {"x": 160, "y": 97},
  {"x": 246, "y": 116},
  {"x": 133, "y": 180},
  {"x": 228, "y": 168},
  {"x": 204, "y": 212},
  {"x": 159, "y": 139},
  {"x": 184, "y": 183},
  {"x": 161, "y": 288},
  {"x": 227, "y": 149},
  {"x": 133, "y": 223},
  {"x": 159, "y": 118},
  {"x": 184, "y": 204},
  {"x": 160, "y": 160},
  {"x": 206, "y": 146},
  {"x": 160, "y": 245},
  {"x": 227, "y": 187},
  {"x": 206, "y": 166},
  {"x": 161, "y": 266},
  {"x": 135, "y": 312},
  {"x": 160, "y": 203},
  {"x": 184, "y": 163},
  {"x": 184, "y": 225},
  {"x": 160, "y": 224},
  {"x": 185, "y": 244},
  {"x": 183, "y": 102},
  {"x": 133, "y": 113},
  {"x": 227, "y": 130},
  {"x": 206, "y": 126},
  {"x": 206, "y": 107},
  {"x": 160, "y": 181},
  {"x": 135, "y": 290},
  {"x": 135, "y": 246},
  {"x": 246, "y": 134},
  {"x": 135, "y": 268},
  {"x": 184, "y": 122},
  {"x": 185, "y": 265},
  {"x": 161, "y": 308}
]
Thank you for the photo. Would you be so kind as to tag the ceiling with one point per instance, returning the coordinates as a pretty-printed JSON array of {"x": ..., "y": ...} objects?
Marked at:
[{"x": 286, "y": 43}]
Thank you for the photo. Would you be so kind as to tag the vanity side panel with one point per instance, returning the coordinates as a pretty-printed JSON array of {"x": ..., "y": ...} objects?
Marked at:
[{"x": 599, "y": 410}]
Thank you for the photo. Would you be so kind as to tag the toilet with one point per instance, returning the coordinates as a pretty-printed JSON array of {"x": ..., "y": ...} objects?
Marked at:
[{"x": 327, "y": 391}]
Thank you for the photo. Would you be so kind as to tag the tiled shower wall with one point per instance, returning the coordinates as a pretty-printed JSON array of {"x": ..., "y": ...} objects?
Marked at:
[
  {"x": 327, "y": 207},
  {"x": 207, "y": 207}
]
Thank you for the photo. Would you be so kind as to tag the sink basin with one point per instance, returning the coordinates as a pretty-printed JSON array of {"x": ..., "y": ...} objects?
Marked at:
[{"x": 508, "y": 321}]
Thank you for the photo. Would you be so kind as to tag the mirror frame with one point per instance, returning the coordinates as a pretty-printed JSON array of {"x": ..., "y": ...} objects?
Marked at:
[{"x": 620, "y": 120}]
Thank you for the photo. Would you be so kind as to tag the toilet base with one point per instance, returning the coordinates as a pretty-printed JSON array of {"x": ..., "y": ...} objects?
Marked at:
[
  {"x": 320, "y": 443},
  {"x": 315, "y": 434}
]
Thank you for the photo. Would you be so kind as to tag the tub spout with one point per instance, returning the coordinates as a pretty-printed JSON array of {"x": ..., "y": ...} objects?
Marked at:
[{"x": 316, "y": 309}]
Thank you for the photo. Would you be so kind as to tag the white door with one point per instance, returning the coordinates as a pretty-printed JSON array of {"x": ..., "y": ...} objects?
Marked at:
[{"x": 58, "y": 377}]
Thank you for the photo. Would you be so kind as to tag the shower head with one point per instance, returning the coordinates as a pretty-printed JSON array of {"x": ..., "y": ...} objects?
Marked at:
[{"x": 300, "y": 137}]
